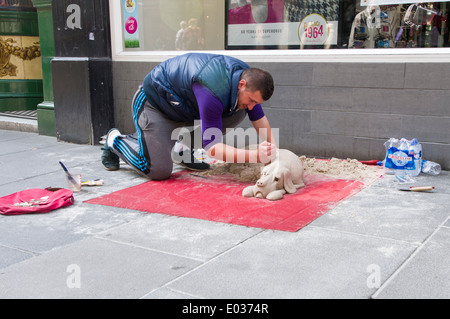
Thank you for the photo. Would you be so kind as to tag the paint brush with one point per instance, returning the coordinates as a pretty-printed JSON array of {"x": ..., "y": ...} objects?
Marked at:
[{"x": 71, "y": 179}]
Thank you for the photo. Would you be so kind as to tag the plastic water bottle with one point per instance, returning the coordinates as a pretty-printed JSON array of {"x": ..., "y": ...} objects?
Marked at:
[
  {"x": 431, "y": 168},
  {"x": 403, "y": 157},
  {"x": 403, "y": 149},
  {"x": 416, "y": 152}
]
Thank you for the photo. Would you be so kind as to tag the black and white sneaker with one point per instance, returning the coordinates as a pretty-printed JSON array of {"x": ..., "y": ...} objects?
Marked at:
[
  {"x": 110, "y": 161},
  {"x": 188, "y": 160}
]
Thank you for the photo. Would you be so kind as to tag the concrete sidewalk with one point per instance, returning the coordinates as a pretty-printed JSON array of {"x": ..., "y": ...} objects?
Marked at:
[{"x": 381, "y": 243}]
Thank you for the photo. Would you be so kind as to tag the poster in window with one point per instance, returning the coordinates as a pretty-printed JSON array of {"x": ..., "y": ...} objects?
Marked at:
[
  {"x": 130, "y": 23},
  {"x": 255, "y": 24}
]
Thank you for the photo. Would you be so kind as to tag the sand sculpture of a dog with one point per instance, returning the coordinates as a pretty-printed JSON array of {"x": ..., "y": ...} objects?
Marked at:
[{"x": 283, "y": 175}]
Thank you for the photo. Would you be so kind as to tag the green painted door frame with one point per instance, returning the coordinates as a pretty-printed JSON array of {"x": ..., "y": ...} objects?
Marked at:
[{"x": 46, "y": 109}]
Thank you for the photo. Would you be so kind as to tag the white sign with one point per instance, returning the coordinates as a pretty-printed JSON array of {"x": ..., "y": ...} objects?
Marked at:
[
  {"x": 387, "y": 2},
  {"x": 286, "y": 33}
]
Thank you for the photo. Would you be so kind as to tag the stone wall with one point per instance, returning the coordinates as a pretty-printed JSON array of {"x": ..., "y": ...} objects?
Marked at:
[{"x": 344, "y": 110}]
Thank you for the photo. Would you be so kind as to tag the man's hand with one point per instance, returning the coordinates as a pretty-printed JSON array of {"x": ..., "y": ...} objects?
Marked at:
[{"x": 267, "y": 152}]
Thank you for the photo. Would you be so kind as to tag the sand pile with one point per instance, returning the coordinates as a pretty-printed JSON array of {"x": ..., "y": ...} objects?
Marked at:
[
  {"x": 241, "y": 172},
  {"x": 343, "y": 169}
]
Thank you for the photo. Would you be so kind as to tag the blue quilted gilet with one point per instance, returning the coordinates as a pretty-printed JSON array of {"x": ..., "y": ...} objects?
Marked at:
[{"x": 168, "y": 86}]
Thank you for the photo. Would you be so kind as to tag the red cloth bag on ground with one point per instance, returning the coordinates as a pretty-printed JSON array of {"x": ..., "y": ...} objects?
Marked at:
[{"x": 35, "y": 201}]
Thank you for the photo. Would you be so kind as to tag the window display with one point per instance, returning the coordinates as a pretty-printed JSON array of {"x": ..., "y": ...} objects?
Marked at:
[
  {"x": 186, "y": 25},
  {"x": 417, "y": 25}
]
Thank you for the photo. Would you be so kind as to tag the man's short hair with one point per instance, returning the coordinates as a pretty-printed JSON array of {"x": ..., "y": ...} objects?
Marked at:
[{"x": 259, "y": 80}]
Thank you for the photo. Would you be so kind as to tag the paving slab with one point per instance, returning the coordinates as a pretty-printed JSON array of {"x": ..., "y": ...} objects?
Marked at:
[
  {"x": 192, "y": 238},
  {"x": 92, "y": 268},
  {"x": 39, "y": 233},
  {"x": 425, "y": 275},
  {"x": 383, "y": 210},
  {"x": 9, "y": 256},
  {"x": 313, "y": 263}
]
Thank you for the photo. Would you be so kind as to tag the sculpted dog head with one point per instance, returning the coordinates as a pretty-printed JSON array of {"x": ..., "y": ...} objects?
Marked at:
[
  {"x": 274, "y": 178},
  {"x": 281, "y": 176}
]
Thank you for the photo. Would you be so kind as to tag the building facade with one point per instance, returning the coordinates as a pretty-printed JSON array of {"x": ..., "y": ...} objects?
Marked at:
[{"x": 349, "y": 74}]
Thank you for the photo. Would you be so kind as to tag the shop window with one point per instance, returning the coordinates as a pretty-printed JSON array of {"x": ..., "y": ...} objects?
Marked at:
[
  {"x": 167, "y": 25},
  {"x": 187, "y": 25}
]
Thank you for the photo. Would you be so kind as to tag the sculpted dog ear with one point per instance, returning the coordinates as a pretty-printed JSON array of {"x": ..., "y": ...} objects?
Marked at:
[{"x": 287, "y": 181}]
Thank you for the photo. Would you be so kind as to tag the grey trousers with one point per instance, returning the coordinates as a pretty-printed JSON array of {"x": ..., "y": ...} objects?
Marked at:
[{"x": 149, "y": 149}]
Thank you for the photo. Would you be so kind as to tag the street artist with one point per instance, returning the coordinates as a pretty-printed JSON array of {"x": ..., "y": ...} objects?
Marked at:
[{"x": 217, "y": 90}]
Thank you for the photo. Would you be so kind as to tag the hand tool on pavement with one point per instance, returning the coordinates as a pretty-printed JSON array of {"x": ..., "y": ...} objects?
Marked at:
[
  {"x": 97, "y": 182},
  {"x": 418, "y": 189}
]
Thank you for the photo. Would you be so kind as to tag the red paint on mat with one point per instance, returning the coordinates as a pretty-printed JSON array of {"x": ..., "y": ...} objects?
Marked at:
[{"x": 219, "y": 199}]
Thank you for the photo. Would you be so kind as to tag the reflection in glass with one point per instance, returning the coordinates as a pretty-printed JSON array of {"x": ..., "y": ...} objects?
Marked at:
[{"x": 192, "y": 25}]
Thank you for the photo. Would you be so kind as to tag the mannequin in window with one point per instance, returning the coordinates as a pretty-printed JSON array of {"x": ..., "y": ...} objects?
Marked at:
[{"x": 370, "y": 19}]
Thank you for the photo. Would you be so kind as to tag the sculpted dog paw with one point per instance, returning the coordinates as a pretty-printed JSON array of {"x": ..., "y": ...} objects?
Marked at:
[
  {"x": 248, "y": 191},
  {"x": 276, "y": 195}
]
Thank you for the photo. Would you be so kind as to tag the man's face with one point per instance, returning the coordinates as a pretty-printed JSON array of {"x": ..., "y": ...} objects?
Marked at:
[{"x": 246, "y": 98}]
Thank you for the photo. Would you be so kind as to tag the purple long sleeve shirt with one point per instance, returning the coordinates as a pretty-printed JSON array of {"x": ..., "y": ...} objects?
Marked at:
[{"x": 211, "y": 109}]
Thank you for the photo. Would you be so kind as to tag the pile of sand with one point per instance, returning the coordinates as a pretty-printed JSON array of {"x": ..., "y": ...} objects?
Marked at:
[
  {"x": 241, "y": 172},
  {"x": 343, "y": 169}
]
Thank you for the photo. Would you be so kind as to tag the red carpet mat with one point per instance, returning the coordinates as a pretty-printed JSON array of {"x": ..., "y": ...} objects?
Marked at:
[{"x": 219, "y": 198}]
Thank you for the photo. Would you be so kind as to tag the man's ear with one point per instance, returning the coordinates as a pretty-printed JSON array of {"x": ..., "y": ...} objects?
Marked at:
[{"x": 242, "y": 84}]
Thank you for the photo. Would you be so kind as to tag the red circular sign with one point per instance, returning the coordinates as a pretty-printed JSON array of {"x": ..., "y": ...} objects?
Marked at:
[{"x": 131, "y": 25}]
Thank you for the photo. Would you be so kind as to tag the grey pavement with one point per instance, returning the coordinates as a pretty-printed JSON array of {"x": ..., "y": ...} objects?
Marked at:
[{"x": 380, "y": 243}]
